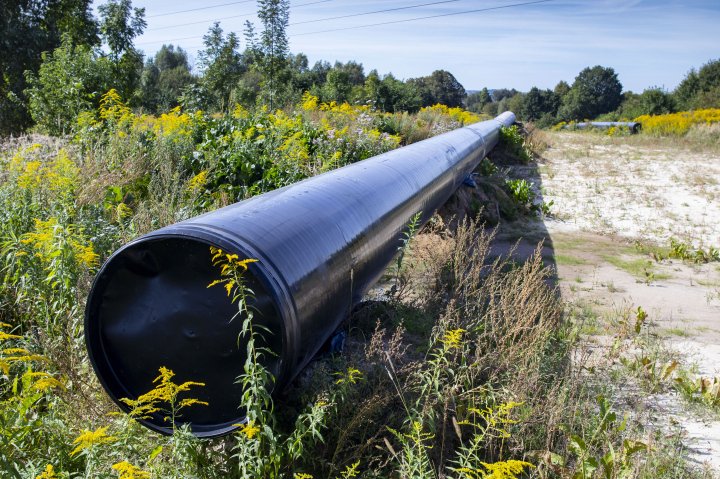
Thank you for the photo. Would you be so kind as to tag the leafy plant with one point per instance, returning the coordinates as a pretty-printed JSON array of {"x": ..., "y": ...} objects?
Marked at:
[{"x": 515, "y": 141}]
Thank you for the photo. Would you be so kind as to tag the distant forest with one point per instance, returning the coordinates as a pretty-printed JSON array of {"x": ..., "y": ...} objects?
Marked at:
[{"x": 54, "y": 68}]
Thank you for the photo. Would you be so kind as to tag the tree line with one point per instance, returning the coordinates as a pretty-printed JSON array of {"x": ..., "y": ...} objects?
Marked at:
[
  {"x": 63, "y": 69},
  {"x": 53, "y": 68},
  {"x": 597, "y": 94}
]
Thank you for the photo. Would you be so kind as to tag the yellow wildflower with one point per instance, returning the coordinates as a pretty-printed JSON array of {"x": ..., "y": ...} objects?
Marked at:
[
  {"x": 48, "y": 474},
  {"x": 677, "y": 124},
  {"x": 165, "y": 392},
  {"x": 197, "y": 181},
  {"x": 89, "y": 439},
  {"x": 351, "y": 376},
  {"x": 309, "y": 102},
  {"x": 453, "y": 338},
  {"x": 128, "y": 471},
  {"x": 505, "y": 469},
  {"x": 250, "y": 430},
  {"x": 45, "y": 381},
  {"x": 122, "y": 210},
  {"x": 51, "y": 239}
]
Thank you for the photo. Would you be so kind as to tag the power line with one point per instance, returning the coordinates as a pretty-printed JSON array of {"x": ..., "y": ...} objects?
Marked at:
[
  {"x": 425, "y": 18},
  {"x": 376, "y": 11},
  {"x": 196, "y": 9},
  {"x": 236, "y": 16},
  {"x": 376, "y": 24}
]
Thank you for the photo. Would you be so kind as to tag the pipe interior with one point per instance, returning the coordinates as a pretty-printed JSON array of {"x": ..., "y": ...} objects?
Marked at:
[{"x": 154, "y": 309}]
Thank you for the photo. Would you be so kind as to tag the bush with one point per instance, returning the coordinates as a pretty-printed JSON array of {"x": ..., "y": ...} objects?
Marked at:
[{"x": 70, "y": 81}]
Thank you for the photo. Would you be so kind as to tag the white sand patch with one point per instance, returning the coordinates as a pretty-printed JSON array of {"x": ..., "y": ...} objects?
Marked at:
[{"x": 634, "y": 192}]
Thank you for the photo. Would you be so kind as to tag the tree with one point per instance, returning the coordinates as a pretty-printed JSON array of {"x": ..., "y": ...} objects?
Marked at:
[
  {"x": 538, "y": 104},
  {"x": 163, "y": 79},
  {"x": 700, "y": 89},
  {"x": 709, "y": 76},
  {"x": 515, "y": 104},
  {"x": 501, "y": 93},
  {"x": 29, "y": 28},
  {"x": 221, "y": 64},
  {"x": 355, "y": 71},
  {"x": 595, "y": 91},
  {"x": 71, "y": 80},
  {"x": 656, "y": 101},
  {"x": 119, "y": 25},
  {"x": 337, "y": 87},
  {"x": 561, "y": 89},
  {"x": 272, "y": 50},
  {"x": 490, "y": 109},
  {"x": 688, "y": 89},
  {"x": 476, "y": 101},
  {"x": 440, "y": 87}
]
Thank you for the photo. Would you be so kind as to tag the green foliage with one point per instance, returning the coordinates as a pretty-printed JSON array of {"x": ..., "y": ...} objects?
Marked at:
[
  {"x": 502, "y": 93},
  {"x": 595, "y": 91},
  {"x": 119, "y": 25},
  {"x": 487, "y": 168},
  {"x": 222, "y": 66},
  {"x": 515, "y": 142},
  {"x": 270, "y": 52},
  {"x": 476, "y": 101},
  {"x": 440, "y": 87},
  {"x": 70, "y": 81},
  {"x": 561, "y": 89},
  {"x": 337, "y": 86},
  {"x": 521, "y": 191},
  {"x": 538, "y": 103},
  {"x": 163, "y": 79},
  {"x": 700, "y": 89},
  {"x": 682, "y": 250},
  {"x": 29, "y": 28}
]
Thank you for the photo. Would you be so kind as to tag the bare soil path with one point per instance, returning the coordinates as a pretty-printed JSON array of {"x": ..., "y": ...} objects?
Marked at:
[{"x": 614, "y": 201}]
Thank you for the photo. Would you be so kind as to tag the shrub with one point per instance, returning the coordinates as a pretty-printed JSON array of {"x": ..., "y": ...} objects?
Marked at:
[{"x": 677, "y": 124}]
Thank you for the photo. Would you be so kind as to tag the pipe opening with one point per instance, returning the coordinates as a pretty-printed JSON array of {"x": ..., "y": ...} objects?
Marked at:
[{"x": 151, "y": 307}]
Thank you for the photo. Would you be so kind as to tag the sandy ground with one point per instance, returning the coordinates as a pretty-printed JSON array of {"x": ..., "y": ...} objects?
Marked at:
[{"x": 607, "y": 197}]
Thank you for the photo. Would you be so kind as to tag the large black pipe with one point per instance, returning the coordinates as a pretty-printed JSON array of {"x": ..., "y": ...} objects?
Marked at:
[
  {"x": 320, "y": 245},
  {"x": 633, "y": 126}
]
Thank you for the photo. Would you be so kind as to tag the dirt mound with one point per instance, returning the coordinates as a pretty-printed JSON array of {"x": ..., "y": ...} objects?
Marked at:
[{"x": 469, "y": 202}]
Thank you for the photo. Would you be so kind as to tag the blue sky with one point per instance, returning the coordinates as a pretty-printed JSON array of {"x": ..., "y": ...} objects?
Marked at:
[{"x": 648, "y": 43}]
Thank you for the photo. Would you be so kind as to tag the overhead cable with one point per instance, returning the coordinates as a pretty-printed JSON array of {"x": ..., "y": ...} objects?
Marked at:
[
  {"x": 236, "y": 16},
  {"x": 196, "y": 9},
  {"x": 376, "y": 11},
  {"x": 424, "y": 18}
]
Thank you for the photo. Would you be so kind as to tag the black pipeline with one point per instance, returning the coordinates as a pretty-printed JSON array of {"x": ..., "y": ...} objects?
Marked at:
[
  {"x": 320, "y": 245},
  {"x": 633, "y": 126}
]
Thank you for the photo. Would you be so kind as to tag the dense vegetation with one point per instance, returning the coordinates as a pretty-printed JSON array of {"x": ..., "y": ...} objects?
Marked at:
[{"x": 460, "y": 369}]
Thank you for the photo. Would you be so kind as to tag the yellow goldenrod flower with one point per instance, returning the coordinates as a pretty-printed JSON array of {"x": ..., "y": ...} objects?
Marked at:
[
  {"x": 351, "y": 376},
  {"x": 250, "y": 430},
  {"x": 48, "y": 473},
  {"x": 453, "y": 338},
  {"x": 165, "y": 392},
  {"x": 89, "y": 439},
  {"x": 197, "y": 181},
  {"x": 128, "y": 471},
  {"x": 505, "y": 469},
  {"x": 45, "y": 381}
]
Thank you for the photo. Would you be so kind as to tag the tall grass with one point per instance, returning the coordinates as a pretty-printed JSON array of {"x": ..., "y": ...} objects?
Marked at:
[{"x": 463, "y": 370}]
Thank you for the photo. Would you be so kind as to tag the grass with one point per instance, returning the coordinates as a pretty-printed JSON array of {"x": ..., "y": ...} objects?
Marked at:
[
  {"x": 569, "y": 260},
  {"x": 474, "y": 360},
  {"x": 677, "y": 332}
]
